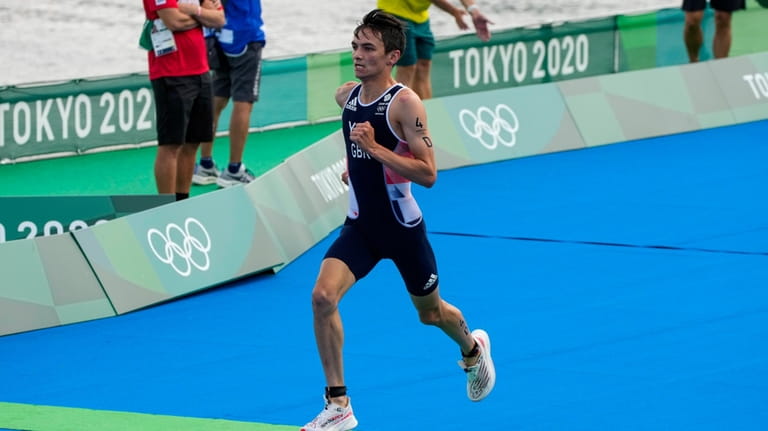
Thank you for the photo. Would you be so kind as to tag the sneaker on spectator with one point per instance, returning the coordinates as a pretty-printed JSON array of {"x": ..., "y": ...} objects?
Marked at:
[
  {"x": 204, "y": 176},
  {"x": 481, "y": 376},
  {"x": 333, "y": 418},
  {"x": 228, "y": 179}
]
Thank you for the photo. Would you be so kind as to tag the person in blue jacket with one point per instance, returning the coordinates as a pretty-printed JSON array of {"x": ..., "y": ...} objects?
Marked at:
[{"x": 235, "y": 57}]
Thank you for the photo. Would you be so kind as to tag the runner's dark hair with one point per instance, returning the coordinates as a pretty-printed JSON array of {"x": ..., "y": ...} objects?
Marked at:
[{"x": 390, "y": 29}]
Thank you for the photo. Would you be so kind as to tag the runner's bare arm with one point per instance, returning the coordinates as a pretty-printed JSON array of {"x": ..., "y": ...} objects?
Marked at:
[
  {"x": 342, "y": 93},
  {"x": 409, "y": 118}
]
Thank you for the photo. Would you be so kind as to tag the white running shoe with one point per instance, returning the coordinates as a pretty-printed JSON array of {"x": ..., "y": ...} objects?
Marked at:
[
  {"x": 204, "y": 176},
  {"x": 228, "y": 179},
  {"x": 481, "y": 377},
  {"x": 333, "y": 418}
]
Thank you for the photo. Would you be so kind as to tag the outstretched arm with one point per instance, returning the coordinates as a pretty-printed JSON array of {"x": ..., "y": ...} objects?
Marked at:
[
  {"x": 479, "y": 20},
  {"x": 457, "y": 13},
  {"x": 409, "y": 118}
]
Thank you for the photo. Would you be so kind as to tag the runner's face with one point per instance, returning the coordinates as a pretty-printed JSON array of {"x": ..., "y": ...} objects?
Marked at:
[{"x": 368, "y": 54}]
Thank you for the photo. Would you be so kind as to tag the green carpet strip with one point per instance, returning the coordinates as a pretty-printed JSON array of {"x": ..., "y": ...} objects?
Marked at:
[{"x": 28, "y": 417}]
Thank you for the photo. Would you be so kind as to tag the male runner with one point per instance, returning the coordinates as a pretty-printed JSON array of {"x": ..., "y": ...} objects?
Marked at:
[{"x": 388, "y": 146}]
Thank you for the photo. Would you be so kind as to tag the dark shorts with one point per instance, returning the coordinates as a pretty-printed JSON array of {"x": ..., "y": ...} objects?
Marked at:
[
  {"x": 183, "y": 109},
  {"x": 408, "y": 248},
  {"x": 239, "y": 76},
  {"x": 419, "y": 43},
  {"x": 721, "y": 5}
]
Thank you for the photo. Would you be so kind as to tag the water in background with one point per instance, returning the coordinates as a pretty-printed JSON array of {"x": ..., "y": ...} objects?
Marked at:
[{"x": 49, "y": 40}]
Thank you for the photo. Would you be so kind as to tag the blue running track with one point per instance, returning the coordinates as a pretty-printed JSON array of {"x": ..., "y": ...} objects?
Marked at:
[{"x": 624, "y": 287}]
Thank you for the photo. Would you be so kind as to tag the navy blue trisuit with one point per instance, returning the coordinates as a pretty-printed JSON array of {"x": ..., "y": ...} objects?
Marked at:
[{"x": 384, "y": 220}]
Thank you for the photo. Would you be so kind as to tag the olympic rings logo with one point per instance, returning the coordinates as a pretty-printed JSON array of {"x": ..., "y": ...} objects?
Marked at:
[
  {"x": 491, "y": 128},
  {"x": 182, "y": 249}
]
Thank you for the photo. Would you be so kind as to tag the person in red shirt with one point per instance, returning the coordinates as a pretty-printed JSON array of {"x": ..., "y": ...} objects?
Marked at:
[{"x": 178, "y": 70}]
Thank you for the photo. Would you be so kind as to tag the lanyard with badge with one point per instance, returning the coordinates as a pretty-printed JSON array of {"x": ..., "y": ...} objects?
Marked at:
[{"x": 162, "y": 38}]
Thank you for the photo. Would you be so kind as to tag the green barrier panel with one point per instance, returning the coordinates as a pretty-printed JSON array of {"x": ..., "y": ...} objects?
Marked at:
[
  {"x": 31, "y": 216},
  {"x": 129, "y": 204},
  {"x": 656, "y": 39},
  {"x": 47, "y": 282},
  {"x": 177, "y": 249},
  {"x": 303, "y": 199},
  {"x": 318, "y": 170},
  {"x": 744, "y": 84},
  {"x": 501, "y": 124},
  {"x": 76, "y": 116},
  {"x": 325, "y": 73},
  {"x": 638, "y": 40},
  {"x": 84, "y": 115},
  {"x": 283, "y": 97},
  {"x": 641, "y": 104},
  {"x": 278, "y": 197},
  {"x": 87, "y": 115},
  {"x": 749, "y": 30},
  {"x": 525, "y": 56}
]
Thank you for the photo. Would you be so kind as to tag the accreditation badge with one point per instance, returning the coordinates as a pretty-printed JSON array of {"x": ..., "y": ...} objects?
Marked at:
[{"x": 162, "y": 38}]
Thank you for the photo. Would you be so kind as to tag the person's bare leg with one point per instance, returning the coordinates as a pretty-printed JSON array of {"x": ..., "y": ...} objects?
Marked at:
[
  {"x": 422, "y": 82},
  {"x": 405, "y": 75},
  {"x": 721, "y": 43},
  {"x": 239, "y": 124},
  {"x": 434, "y": 311},
  {"x": 219, "y": 103},
  {"x": 185, "y": 167},
  {"x": 693, "y": 35},
  {"x": 332, "y": 283},
  {"x": 475, "y": 346},
  {"x": 166, "y": 162}
]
